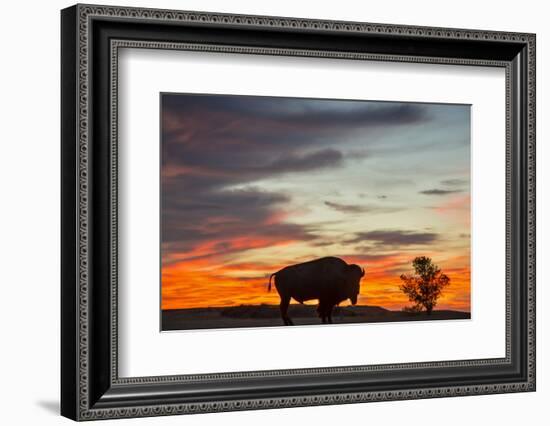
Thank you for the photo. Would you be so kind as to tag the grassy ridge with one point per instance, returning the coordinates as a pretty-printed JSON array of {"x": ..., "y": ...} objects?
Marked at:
[{"x": 269, "y": 315}]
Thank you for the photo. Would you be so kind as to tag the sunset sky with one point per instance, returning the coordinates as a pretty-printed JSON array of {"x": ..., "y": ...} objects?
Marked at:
[{"x": 252, "y": 184}]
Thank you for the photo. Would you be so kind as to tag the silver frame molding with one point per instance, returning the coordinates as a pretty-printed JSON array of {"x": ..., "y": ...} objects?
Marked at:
[{"x": 91, "y": 39}]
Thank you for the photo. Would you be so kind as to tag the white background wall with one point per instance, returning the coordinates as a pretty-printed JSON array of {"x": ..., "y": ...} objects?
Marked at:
[{"x": 29, "y": 217}]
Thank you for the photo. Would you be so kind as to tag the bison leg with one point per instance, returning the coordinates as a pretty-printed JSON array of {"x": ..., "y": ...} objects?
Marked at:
[
  {"x": 285, "y": 301},
  {"x": 329, "y": 314},
  {"x": 322, "y": 311}
]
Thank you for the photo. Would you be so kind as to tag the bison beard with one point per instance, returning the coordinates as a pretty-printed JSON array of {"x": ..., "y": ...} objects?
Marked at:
[{"x": 330, "y": 280}]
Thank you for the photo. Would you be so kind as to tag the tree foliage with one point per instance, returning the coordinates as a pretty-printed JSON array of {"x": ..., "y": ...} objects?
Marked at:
[{"x": 424, "y": 286}]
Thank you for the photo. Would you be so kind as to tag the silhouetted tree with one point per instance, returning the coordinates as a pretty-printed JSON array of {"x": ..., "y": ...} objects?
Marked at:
[{"x": 425, "y": 286}]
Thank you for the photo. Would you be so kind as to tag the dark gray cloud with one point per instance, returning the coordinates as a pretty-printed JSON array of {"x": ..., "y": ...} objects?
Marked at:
[
  {"x": 348, "y": 208},
  {"x": 372, "y": 257},
  {"x": 216, "y": 219},
  {"x": 437, "y": 191},
  {"x": 304, "y": 111},
  {"x": 454, "y": 182},
  {"x": 237, "y": 132},
  {"x": 361, "y": 208},
  {"x": 301, "y": 163},
  {"x": 394, "y": 237},
  {"x": 322, "y": 243}
]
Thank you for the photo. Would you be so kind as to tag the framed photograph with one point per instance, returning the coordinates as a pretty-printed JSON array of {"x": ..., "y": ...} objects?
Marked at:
[
  {"x": 250, "y": 185},
  {"x": 263, "y": 212}
]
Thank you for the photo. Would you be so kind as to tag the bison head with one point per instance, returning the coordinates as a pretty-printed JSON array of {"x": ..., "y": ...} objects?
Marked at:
[{"x": 353, "y": 282}]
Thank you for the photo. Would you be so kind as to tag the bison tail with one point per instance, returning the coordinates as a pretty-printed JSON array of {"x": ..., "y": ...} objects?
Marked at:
[{"x": 269, "y": 285}]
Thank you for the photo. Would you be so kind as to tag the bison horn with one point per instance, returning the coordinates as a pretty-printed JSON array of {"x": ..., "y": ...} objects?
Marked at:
[{"x": 362, "y": 272}]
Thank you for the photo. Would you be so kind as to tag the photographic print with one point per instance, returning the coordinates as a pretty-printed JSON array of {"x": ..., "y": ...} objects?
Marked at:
[{"x": 280, "y": 211}]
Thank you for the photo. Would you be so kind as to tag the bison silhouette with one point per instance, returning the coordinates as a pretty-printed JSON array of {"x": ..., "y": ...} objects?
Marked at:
[{"x": 329, "y": 280}]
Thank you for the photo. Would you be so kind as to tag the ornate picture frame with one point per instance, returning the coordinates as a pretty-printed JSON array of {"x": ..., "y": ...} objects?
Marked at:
[{"x": 91, "y": 37}]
